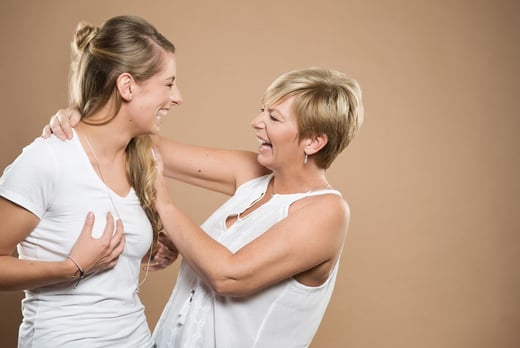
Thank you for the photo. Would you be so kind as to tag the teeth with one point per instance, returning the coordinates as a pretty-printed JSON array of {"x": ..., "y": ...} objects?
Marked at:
[
  {"x": 162, "y": 112},
  {"x": 262, "y": 141}
]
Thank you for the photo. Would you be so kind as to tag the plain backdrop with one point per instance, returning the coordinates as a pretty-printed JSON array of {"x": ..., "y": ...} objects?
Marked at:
[{"x": 432, "y": 178}]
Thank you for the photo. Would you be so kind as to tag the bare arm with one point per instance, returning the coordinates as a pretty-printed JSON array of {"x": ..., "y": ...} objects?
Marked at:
[
  {"x": 91, "y": 254},
  {"x": 213, "y": 169},
  {"x": 305, "y": 245}
]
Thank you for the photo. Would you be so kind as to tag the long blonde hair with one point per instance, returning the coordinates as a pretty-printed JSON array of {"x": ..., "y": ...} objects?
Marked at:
[{"x": 123, "y": 44}]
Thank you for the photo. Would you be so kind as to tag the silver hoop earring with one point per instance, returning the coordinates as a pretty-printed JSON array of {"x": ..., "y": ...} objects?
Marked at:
[{"x": 305, "y": 159}]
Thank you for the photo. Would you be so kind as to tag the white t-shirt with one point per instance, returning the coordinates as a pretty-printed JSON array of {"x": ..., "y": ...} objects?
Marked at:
[
  {"x": 282, "y": 316},
  {"x": 55, "y": 181}
]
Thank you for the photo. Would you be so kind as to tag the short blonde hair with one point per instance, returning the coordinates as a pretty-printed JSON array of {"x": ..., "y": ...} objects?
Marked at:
[{"x": 326, "y": 102}]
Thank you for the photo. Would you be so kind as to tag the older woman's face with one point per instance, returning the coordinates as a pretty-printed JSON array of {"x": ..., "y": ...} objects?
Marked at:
[{"x": 277, "y": 132}]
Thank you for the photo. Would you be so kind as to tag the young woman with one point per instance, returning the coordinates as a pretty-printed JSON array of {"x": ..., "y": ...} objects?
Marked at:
[{"x": 122, "y": 82}]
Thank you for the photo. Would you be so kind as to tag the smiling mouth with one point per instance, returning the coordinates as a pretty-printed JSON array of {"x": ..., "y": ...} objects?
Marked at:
[
  {"x": 264, "y": 143},
  {"x": 161, "y": 113}
]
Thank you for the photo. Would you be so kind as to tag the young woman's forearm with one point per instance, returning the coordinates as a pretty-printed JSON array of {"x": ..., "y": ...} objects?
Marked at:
[{"x": 16, "y": 274}]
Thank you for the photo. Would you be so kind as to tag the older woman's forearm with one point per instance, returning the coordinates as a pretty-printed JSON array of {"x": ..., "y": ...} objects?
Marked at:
[{"x": 213, "y": 262}]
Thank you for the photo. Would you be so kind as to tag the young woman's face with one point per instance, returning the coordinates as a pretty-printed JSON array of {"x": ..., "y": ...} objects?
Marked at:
[
  {"x": 277, "y": 131},
  {"x": 154, "y": 97}
]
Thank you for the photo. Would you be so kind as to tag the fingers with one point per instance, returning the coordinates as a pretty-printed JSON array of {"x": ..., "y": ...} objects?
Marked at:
[
  {"x": 60, "y": 124},
  {"x": 98, "y": 254},
  {"x": 109, "y": 228},
  {"x": 89, "y": 224},
  {"x": 64, "y": 121},
  {"x": 153, "y": 267},
  {"x": 115, "y": 252},
  {"x": 164, "y": 239},
  {"x": 165, "y": 256},
  {"x": 56, "y": 128},
  {"x": 46, "y": 132},
  {"x": 111, "y": 257},
  {"x": 117, "y": 244},
  {"x": 156, "y": 264},
  {"x": 73, "y": 117}
]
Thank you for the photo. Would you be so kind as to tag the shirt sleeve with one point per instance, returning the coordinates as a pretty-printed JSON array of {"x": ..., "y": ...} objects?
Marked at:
[{"x": 30, "y": 180}]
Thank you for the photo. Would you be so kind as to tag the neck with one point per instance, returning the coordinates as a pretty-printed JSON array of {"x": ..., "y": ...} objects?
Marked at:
[
  {"x": 105, "y": 141},
  {"x": 107, "y": 157},
  {"x": 107, "y": 131},
  {"x": 297, "y": 184}
]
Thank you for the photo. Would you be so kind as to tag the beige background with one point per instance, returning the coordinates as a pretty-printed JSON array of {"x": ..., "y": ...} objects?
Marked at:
[{"x": 432, "y": 254}]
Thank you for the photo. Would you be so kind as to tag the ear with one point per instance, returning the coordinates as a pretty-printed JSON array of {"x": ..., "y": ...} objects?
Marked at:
[
  {"x": 315, "y": 144},
  {"x": 126, "y": 86}
]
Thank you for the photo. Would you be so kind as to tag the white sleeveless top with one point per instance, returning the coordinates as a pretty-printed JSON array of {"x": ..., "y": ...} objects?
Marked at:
[{"x": 284, "y": 315}]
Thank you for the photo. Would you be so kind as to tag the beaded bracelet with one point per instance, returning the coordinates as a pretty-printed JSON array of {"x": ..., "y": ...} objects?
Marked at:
[{"x": 80, "y": 270}]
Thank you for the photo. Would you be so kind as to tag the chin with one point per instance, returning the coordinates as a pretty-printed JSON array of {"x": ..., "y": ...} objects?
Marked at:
[
  {"x": 263, "y": 162},
  {"x": 155, "y": 129}
]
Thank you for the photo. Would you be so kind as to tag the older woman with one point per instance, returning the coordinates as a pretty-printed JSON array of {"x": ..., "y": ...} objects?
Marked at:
[{"x": 260, "y": 271}]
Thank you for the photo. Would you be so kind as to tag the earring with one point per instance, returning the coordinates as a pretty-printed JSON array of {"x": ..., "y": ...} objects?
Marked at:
[{"x": 305, "y": 159}]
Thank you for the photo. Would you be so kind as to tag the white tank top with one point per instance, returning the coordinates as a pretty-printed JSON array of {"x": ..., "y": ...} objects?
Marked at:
[{"x": 284, "y": 315}]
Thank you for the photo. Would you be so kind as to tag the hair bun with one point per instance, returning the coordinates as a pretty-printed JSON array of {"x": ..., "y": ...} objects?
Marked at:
[{"x": 85, "y": 33}]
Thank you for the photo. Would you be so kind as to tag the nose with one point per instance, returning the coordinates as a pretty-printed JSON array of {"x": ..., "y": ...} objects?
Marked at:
[
  {"x": 175, "y": 95},
  {"x": 257, "y": 122}
]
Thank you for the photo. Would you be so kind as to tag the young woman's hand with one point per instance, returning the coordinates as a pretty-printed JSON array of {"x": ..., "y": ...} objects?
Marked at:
[
  {"x": 61, "y": 124},
  {"x": 93, "y": 254}
]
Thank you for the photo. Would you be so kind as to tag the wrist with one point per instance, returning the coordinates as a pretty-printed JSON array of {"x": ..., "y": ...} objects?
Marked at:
[
  {"x": 77, "y": 271},
  {"x": 70, "y": 268}
]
